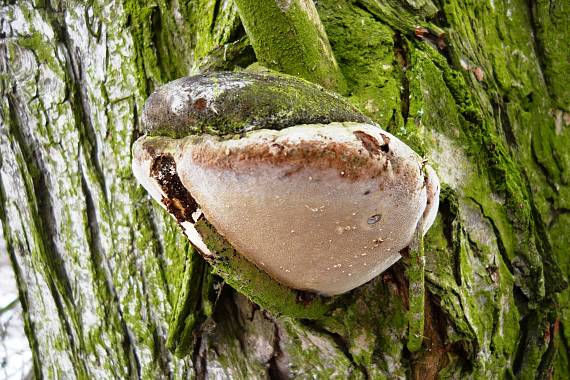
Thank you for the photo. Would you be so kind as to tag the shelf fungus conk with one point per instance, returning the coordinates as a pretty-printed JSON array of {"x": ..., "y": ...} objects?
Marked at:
[{"x": 291, "y": 175}]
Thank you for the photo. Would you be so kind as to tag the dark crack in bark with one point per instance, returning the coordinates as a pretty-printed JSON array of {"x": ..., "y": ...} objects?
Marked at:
[
  {"x": 79, "y": 99},
  {"x": 23, "y": 295},
  {"x": 159, "y": 351},
  {"x": 546, "y": 175},
  {"x": 538, "y": 47},
  {"x": 531, "y": 342},
  {"x": 341, "y": 344},
  {"x": 555, "y": 280},
  {"x": 496, "y": 230},
  {"x": 215, "y": 13},
  {"x": 545, "y": 369},
  {"x": 555, "y": 213},
  {"x": 103, "y": 274},
  {"x": 278, "y": 365},
  {"x": 502, "y": 117},
  {"x": 427, "y": 364},
  {"x": 159, "y": 251},
  {"x": 44, "y": 219},
  {"x": 449, "y": 212},
  {"x": 200, "y": 358},
  {"x": 401, "y": 55},
  {"x": 155, "y": 30}
]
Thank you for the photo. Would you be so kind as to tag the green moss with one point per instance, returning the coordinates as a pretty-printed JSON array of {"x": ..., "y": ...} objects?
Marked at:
[
  {"x": 446, "y": 97},
  {"x": 447, "y": 105},
  {"x": 192, "y": 306},
  {"x": 562, "y": 364},
  {"x": 560, "y": 243},
  {"x": 235, "y": 55},
  {"x": 404, "y": 17},
  {"x": 186, "y": 293},
  {"x": 441, "y": 255},
  {"x": 140, "y": 22},
  {"x": 289, "y": 38},
  {"x": 166, "y": 48},
  {"x": 364, "y": 50},
  {"x": 314, "y": 354},
  {"x": 415, "y": 271},
  {"x": 480, "y": 136},
  {"x": 551, "y": 22},
  {"x": 442, "y": 101},
  {"x": 42, "y": 49},
  {"x": 50, "y": 263},
  {"x": 373, "y": 321}
]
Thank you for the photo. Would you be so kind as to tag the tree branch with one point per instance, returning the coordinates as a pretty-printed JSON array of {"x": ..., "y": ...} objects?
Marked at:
[{"x": 287, "y": 35}]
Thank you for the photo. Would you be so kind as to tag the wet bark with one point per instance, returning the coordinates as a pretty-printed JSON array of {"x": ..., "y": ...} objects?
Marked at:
[{"x": 477, "y": 87}]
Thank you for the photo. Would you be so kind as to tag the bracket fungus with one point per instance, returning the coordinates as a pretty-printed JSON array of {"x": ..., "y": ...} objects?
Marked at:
[{"x": 292, "y": 176}]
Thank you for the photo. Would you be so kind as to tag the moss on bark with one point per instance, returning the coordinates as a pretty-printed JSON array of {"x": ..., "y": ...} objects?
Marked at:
[
  {"x": 476, "y": 87},
  {"x": 287, "y": 36}
]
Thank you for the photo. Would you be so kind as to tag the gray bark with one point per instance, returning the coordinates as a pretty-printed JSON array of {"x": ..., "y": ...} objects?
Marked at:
[{"x": 479, "y": 88}]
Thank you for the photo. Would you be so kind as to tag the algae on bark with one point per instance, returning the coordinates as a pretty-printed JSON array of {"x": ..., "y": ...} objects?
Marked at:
[{"x": 476, "y": 87}]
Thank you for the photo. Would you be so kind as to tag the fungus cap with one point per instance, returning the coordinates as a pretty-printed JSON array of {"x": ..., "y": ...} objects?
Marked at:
[{"x": 319, "y": 207}]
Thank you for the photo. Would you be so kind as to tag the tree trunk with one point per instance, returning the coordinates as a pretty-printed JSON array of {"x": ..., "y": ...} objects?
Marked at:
[{"x": 480, "y": 88}]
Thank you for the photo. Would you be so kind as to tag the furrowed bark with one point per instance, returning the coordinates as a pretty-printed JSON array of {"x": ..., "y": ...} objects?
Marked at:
[{"x": 478, "y": 88}]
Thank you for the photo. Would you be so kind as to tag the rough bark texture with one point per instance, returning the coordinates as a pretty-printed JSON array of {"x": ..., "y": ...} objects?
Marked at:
[{"x": 478, "y": 87}]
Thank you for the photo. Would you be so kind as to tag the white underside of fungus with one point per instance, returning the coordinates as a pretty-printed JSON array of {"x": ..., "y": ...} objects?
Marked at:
[{"x": 323, "y": 208}]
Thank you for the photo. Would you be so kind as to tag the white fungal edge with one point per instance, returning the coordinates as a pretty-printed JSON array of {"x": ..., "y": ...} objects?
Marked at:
[
  {"x": 432, "y": 192},
  {"x": 141, "y": 169}
]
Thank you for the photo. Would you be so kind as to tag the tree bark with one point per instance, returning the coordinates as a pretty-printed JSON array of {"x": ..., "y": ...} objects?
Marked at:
[{"x": 477, "y": 87}]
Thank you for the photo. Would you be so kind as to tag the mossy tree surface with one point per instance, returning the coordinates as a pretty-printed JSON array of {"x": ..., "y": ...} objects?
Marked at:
[{"x": 477, "y": 87}]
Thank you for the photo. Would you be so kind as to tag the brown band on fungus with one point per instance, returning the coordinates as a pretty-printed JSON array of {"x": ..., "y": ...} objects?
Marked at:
[
  {"x": 200, "y": 104},
  {"x": 178, "y": 200},
  {"x": 370, "y": 143},
  {"x": 351, "y": 162},
  {"x": 308, "y": 154}
]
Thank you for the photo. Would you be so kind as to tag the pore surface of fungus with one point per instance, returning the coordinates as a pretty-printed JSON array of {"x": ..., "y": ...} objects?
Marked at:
[{"x": 322, "y": 206}]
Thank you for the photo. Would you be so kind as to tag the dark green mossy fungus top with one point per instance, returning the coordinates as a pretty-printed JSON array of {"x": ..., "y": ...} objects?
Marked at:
[{"x": 225, "y": 103}]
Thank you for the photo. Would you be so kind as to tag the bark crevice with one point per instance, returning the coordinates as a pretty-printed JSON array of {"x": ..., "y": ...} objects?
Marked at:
[
  {"x": 277, "y": 366},
  {"x": 340, "y": 343},
  {"x": 102, "y": 272},
  {"x": 83, "y": 123},
  {"x": 402, "y": 57},
  {"x": 497, "y": 232},
  {"x": 538, "y": 48},
  {"x": 58, "y": 281},
  {"x": 464, "y": 84}
]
